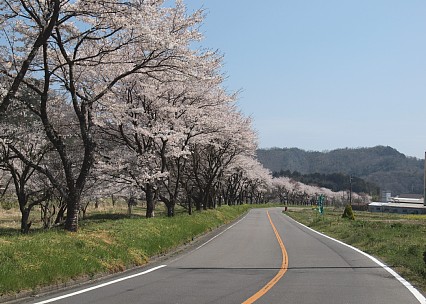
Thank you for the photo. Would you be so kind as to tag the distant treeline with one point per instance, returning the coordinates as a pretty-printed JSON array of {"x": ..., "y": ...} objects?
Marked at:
[
  {"x": 380, "y": 165},
  {"x": 335, "y": 181}
]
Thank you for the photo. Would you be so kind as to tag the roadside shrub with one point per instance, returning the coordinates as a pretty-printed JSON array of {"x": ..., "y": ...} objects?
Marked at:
[
  {"x": 396, "y": 225},
  {"x": 348, "y": 213},
  {"x": 7, "y": 205},
  {"x": 414, "y": 250}
]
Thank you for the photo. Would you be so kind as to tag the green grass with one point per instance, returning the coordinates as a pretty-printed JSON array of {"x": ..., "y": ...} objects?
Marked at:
[
  {"x": 105, "y": 243},
  {"x": 398, "y": 240}
]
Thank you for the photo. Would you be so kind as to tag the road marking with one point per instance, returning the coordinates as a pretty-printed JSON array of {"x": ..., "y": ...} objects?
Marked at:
[
  {"x": 208, "y": 241},
  {"x": 134, "y": 275},
  {"x": 279, "y": 275},
  {"x": 204, "y": 244},
  {"x": 100, "y": 285},
  {"x": 407, "y": 285}
]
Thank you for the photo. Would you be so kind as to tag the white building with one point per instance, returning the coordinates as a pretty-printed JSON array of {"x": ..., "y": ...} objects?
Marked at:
[{"x": 404, "y": 204}]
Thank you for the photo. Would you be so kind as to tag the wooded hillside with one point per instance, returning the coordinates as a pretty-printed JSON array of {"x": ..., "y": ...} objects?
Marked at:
[{"x": 384, "y": 166}]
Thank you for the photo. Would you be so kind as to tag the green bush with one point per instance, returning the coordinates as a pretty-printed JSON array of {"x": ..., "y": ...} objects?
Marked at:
[
  {"x": 348, "y": 213},
  {"x": 7, "y": 205}
]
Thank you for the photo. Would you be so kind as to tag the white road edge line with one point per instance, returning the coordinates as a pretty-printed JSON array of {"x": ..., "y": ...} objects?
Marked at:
[
  {"x": 100, "y": 285},
  {"x": 131, "y": 276},
  {"x": 410, "y": 287},
  {"x": 202, "y": 245},
  {"x": 208, "y": 241}
]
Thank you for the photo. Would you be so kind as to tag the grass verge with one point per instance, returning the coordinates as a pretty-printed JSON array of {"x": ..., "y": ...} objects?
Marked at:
[
  {"x": 398, "y": 240},
  {"x": 104, "y": 244}
]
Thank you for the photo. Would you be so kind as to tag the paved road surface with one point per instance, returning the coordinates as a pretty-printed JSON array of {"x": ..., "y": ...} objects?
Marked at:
[{"x": 246, "y": 263}]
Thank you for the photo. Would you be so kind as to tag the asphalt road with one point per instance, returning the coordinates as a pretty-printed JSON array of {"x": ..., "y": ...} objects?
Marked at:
[{"x": 246, "y": 263}]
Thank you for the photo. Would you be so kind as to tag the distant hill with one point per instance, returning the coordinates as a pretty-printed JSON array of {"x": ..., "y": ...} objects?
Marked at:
[{"x": 384, "y": 166}]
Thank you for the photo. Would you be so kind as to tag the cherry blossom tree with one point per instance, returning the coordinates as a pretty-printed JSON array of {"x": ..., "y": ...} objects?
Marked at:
[
  {"x": 25, "y": 36},
  {"x": 198, "y": 100},
  {"x": 290, "y": 191},
  {"x": 22, "y": 137},
  {"x": 86, "y": 49},
  {"x": 124, "y": 104},
  {"x": 152, "y": 118},
  {"x": 230, "y": 135},
  {"x": 248, "y": 181}
]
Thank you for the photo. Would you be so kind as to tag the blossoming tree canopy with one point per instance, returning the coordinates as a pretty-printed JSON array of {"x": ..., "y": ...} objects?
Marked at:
[{"x": 82, "y": 50}]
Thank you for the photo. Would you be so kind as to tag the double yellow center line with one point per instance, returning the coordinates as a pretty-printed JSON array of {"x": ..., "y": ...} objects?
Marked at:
[{"x": 278, "y": 276}]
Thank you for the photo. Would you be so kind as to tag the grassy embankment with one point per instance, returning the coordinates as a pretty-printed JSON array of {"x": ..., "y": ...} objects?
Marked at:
[
  {"x": 105, "y": 243},
  {"x": 398, "y": 240}
]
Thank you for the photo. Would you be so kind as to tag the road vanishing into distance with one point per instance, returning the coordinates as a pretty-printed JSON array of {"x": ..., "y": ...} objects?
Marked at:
[{"x": 265, "y": 257}]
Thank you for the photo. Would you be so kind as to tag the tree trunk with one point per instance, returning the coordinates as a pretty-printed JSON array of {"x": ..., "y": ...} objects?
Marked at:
[
  {"x": 25, "y": 212},
  {"x": 25, "y": 226},
  {"x": 73, "y": 208},
  {"x": 149, "y": 192},
  {"x": 170, "y": 209},
  {"x": 130, "y": 203},
  {"x": 170, "y": 205},
  {"x": 205, "y": 200},
  {"x": 189, "y": 206},
  {"x": 61, "y": 214},
  {"x": 198, "y": 204}
]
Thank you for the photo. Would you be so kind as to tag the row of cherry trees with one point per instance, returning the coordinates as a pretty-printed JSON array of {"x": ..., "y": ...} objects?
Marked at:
[
  {"x": 103, "y": 97},
  {"x": 112, "y": 97},
  {"x": 290, "y": 191}
]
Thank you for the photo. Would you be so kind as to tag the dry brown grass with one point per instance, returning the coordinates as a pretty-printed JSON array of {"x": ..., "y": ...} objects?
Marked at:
[{"x": 11, "y": 218}]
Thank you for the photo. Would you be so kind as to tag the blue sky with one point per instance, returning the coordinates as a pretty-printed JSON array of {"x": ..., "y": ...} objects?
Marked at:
[{"x": 322, "y": 75}]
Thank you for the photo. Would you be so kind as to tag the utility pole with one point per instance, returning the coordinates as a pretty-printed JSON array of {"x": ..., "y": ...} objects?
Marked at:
[
  {"x": 424, "y": 192},
  {"x": 350, "y": 190}
]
